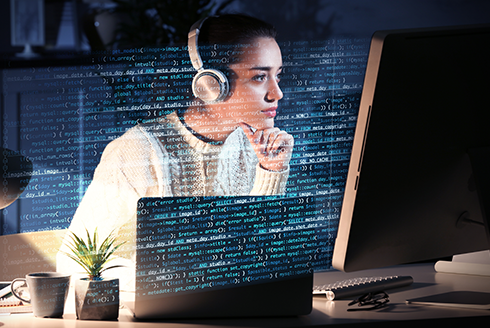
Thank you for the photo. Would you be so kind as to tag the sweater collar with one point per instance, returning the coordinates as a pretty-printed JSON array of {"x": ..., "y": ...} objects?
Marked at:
[{"x": 197, "y": 143}]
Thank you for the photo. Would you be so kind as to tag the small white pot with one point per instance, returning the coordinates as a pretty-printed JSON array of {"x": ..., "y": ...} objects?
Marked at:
[{"x": 97, "y": 299}]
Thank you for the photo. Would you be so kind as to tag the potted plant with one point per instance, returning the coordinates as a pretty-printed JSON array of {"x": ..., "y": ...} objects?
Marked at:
[{"x": 96, "y": 297}]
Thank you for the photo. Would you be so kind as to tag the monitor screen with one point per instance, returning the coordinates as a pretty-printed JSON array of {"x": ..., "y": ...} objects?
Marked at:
[{"x": 412, "y": 188}]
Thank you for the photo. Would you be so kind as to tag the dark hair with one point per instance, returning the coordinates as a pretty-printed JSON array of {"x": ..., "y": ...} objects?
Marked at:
[
  {"x": 229, "y": 35},
  {"x": 234, "y": 29}
]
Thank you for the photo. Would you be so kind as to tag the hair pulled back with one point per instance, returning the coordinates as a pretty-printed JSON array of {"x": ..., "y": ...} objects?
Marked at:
[{"x": 224, "y": 38}]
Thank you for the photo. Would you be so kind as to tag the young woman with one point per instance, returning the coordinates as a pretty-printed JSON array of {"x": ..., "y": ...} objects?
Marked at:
[{"x": 228, "y": 147}]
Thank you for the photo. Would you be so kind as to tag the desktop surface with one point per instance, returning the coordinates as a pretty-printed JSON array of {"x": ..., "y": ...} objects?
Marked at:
[{"x": 325, "y": 313}]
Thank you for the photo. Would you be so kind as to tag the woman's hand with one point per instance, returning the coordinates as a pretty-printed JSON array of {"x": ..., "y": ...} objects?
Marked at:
[{"x": 272, "y": 146}]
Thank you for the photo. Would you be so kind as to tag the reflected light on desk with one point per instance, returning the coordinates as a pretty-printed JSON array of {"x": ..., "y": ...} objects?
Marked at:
[
  {"x": 329, "y": 306},
  {"x": 461, "y": 281}
]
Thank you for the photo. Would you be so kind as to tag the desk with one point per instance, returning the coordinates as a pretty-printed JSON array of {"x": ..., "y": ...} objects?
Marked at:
[{"x": 325, "y": 313}]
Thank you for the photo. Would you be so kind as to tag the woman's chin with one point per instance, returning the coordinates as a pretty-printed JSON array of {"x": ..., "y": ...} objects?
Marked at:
[{"x": 261, "y": 124}]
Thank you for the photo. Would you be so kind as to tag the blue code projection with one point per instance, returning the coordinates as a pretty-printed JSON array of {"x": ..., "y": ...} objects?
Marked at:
[
  {"x": 189, "y": 244},
  {"x": 61, "y": 114}
]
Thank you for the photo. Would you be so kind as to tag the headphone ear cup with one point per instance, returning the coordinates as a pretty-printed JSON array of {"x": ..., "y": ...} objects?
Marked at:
[{"x": 210, "y": 85}]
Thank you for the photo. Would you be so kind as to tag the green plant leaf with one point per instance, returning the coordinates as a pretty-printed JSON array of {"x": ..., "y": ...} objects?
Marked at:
[{"x": 90, "y": 257}]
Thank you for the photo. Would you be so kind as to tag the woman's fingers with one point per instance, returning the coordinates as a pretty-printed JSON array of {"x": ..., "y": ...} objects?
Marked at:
[
  {"x": 267, "y": 139},
  {"x": 279, "y": 142},
  {"x": 273, "y": 147}
]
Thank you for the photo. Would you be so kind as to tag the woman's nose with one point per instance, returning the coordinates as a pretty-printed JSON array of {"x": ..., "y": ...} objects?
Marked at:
[{"x": 274, "y": 92}]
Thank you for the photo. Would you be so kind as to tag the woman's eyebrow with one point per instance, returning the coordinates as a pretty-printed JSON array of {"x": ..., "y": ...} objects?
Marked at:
[{"x": 263, "y": 68}]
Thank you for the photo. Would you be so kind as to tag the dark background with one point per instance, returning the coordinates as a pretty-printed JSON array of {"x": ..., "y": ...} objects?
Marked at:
[{"x": 305, "y": 19}]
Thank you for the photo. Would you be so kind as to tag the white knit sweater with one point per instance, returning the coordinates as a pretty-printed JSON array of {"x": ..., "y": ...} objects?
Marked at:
[{"x": 162, "y": 159}]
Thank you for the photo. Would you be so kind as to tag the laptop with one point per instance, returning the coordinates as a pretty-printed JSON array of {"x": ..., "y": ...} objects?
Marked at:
[{"x": 220, "y": 256}]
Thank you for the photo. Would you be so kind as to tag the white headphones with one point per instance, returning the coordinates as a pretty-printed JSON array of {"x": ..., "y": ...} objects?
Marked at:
[{"x": 209, "y": 85}]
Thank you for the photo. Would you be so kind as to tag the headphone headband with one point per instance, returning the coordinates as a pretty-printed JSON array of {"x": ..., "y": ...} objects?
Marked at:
[{"x": 192, "y": 44}]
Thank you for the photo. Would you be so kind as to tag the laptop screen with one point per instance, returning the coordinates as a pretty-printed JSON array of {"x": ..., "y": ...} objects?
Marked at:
[{"x": 195, "y": 244}]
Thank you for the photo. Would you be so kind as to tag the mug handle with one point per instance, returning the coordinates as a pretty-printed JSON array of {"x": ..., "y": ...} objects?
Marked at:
[{"x": 14, "y": 292}]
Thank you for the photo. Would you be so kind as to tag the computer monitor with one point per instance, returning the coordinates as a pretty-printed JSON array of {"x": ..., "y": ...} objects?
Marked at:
[{"x": 418, "y": 180}]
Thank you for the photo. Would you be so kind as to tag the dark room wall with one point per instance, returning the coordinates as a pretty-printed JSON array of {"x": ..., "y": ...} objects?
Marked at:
[{"x": 319, "y": 19}]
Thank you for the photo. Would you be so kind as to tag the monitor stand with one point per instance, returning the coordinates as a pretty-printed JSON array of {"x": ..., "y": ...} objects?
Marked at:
[{"x": 475, "y": 263}]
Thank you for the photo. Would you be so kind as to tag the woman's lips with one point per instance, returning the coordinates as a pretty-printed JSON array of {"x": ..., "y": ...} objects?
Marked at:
[{"x": 271, "y": 112}]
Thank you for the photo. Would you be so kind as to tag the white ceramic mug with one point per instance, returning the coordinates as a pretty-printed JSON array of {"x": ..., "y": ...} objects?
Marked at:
[{"x": 48, "y": 291}]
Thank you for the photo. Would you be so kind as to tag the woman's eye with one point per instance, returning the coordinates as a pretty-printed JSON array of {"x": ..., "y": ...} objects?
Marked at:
[{"x": 260, "y": 78}]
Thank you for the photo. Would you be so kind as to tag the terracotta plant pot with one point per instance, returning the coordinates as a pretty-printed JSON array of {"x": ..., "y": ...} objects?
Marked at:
[{"x": 97, "y": 299}]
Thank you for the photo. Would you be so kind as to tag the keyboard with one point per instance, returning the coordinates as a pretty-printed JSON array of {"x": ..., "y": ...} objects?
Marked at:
[{"x": 359, "y": 286}]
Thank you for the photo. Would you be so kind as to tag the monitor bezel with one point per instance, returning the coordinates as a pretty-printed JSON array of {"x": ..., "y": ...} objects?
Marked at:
[{"x": 351, "y": 254}]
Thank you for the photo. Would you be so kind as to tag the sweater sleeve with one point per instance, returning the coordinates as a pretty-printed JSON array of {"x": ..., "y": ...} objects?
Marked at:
[
  {"x": 269, "y": 182},
  {"x": 263, "y": 182}
]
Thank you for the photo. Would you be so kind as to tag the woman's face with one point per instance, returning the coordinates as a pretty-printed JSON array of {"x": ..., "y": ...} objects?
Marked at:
[{"x": 255, "y": 87}]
